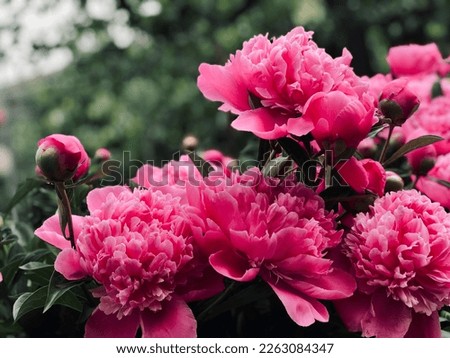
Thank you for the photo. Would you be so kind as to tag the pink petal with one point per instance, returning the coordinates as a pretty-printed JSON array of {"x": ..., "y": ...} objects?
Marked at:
[
  {"x": 97, "y": 197},
  {"x": 303, "y": 310},
  {"x": 386, "y": 317},
  {"x": 67, "y": 263},
  {"x": 229, "y": 264},
  {"x": 352, "y": 310},
  {"x": 149, "y": 175},
  {"x": 217, "y": 83},
  {"x": 252, "y": 247},
  {"x": 101, "y": 325},
  {"x": 423, "y": 326},
  {"x": 222, "y": 208},
  {"x": 335, "y": 285},
  {"x": 262, "y": 122},
  {"x": 50, "y": 231},
  {"x": 208, "y": 285},
  {"x": 299, "y": 126},
  {"x": 354, "y": 174},
  {"x": 175, "y": 320}
]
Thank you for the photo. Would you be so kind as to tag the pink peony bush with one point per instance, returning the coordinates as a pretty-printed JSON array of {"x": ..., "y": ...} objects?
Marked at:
[
  {"x": 399, "y": 253},
  {"x": 328, "y": 210},
  {"x": 139, "y": 248}
]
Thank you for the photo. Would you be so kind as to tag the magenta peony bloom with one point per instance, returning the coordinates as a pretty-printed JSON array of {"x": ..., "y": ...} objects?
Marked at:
[
  {"x": 171, "y": 178},
  {"x": 138, "y": 246},
  {"x": 279, "y": 231},
  {"x": 1, "y": 277},
  {"x": 336, "y": 115},
  {"x": 399, "y": 253},
  {"x": 410, "y": 60},
  {"x": 428, "y": 185},
  {"x": 61, "y": 157},
  {"x": 267, "y": 83}
]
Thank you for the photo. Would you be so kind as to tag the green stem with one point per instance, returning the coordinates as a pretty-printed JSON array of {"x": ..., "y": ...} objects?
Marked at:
[
  {"x": 62, "y": 195},
  {"x": 205, "y": 312},
  {"x": 386, "y": 144}
]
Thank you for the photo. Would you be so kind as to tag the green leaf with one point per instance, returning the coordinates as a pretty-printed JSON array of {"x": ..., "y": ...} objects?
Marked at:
[
  {"x": 276, "y": 167},
  {"x": 59, "y": 292},
  {"x": 22, "y": 191},
  {"x": 376, "y": 129},
  {"x": 436, "y": 90},
  {"x": 34, "y": 265},
  {"x": 294, "y": 150},
  {"x": 263, "y": 151},
  {"x": 252, "y": 293},
  {"x": 63, "y": 297},
  {"x": 201, "y": 164},
  {"x": 28, "y": 302},
  {"x": 411, "y": 145}
]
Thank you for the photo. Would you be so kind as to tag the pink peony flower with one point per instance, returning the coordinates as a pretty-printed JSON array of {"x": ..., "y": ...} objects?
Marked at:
[
  {"x": 432, "y": 118},
  {"x": 398, "y": 102},
  {"x": 431, "y": 188},
  {"x": 1, "y": 277},
  {"x": 336, "y": 115},
  {"x": 267, "y": 83},
  {"x": 280, "y": 232},
  {"x": 399, "y": 253},
  {"x": 410, "y": 60},
  {"x": 61, "y": 157},
  {"x": 138, "y": 246},
  {"x": 171, "y": 178}
]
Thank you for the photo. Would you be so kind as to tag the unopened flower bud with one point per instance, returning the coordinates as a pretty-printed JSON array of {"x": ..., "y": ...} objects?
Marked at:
[
  {"x": 190, "y": 143},
  {"x": 102, "y": 155},
  {"x": 61, "y": 157},
  {"x": 397, "y": 102},
  {"x": 393, "y": 182},
  {"x": 426, "y": 165}
]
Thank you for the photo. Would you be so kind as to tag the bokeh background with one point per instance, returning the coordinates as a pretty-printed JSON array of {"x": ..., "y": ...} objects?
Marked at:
[{"x": 121, "y": 74}]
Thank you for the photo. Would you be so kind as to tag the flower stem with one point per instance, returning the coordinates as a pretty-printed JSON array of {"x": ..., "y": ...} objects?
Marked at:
[
  {"x": 386, "y": 144},
  {"x": 205, "y": 312},
  {"x": 66, "y": 215}
]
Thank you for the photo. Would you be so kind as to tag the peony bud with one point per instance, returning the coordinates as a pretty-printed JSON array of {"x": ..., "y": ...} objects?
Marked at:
[
  {"x": 102, "y": 155},
  {"x": 190, "y": 143},
  {"x": 61, "y": 157},
  {"x": 397, "y": 102},
  {"x": 393, "y": 182}
]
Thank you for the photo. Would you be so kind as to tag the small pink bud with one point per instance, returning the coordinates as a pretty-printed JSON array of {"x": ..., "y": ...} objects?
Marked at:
[
  {"x": 397, "y": 102},
  {"x": 102, "y": 155},
  {"x": 61, "y": 157}
]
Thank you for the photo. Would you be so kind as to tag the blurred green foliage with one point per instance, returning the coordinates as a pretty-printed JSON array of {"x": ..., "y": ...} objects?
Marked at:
[{"x": 141, "y": 96}]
